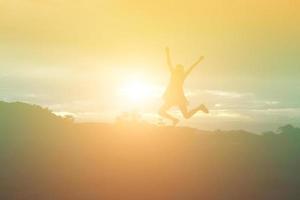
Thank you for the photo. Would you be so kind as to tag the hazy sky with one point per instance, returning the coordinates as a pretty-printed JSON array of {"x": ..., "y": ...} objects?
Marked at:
[{"x": 77, "y": 56}]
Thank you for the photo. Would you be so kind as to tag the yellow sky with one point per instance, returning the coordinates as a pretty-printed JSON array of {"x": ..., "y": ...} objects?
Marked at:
[
  {"x": 249, "y": 46},
  {"x": 224, "y": 31}
]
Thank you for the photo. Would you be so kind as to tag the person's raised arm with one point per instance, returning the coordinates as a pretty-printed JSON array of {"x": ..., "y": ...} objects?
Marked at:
[
  {"x": 193, "y": 66},
  {"x": 169, "y": 59}
]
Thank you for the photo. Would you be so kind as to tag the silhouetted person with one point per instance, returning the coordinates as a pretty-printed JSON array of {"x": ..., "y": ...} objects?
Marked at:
[{"x": 174, "y": 94}]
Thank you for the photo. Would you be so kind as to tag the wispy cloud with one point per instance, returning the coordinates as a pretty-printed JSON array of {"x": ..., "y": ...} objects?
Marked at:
[
  {"x": 227, "y": 94},
  {"x": 220, "y": 99}
]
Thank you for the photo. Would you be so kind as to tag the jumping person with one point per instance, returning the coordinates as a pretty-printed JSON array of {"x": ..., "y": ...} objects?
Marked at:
[{"x": 174, "y": 94}]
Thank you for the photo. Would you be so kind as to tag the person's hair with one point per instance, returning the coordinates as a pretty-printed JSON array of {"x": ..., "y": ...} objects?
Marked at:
[
  {"x": 179, "y": 66},
  {"x": 179, "y": 69}
]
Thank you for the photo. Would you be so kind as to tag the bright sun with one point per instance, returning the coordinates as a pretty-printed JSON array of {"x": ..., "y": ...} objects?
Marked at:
[{"x": 137, "y": 91}]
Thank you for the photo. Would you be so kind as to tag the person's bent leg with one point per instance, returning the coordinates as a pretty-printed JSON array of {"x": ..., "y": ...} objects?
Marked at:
[
  {"x": 163, "y": 112},
  {"x": 188, "y": 114},
  {"x": 203, "y": 108}
]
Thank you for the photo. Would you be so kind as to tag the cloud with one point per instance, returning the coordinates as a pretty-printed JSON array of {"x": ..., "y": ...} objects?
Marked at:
[
  {"x": 29, "y": 97},
  {"x": 227, "y": 94},
  {"x": 64, "y": 114},
  {"x": 246, "y": 107},
  {"x": 225, "y": 115},
  {"x": 278, "y": 111},
  {"x": 231, "y": 100}
]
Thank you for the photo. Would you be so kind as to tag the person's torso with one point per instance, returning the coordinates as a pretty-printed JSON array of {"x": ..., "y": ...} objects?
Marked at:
[{"x": 176, "y": 81}]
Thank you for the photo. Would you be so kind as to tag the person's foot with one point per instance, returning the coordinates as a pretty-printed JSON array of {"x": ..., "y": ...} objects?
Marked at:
[
  {"x": 203, "y": 108},
  {"x": 175, "y": 122}
]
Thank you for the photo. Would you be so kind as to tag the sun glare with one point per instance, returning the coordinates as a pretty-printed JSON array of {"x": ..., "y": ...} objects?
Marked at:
[{"x": 137, "y": 91}]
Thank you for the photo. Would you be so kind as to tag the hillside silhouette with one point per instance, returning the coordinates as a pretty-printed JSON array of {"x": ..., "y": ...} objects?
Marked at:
[{"x": 44, "y": 156}]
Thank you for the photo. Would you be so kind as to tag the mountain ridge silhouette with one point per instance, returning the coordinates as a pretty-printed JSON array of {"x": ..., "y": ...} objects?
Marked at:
[
  {"x": 44, "y": 156},
  {"x": 25, "y": 113}
]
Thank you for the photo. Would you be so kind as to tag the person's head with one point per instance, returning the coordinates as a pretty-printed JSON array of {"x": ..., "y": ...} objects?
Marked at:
[{"x": 179, "y": 68}]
